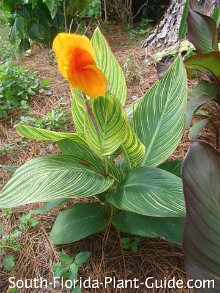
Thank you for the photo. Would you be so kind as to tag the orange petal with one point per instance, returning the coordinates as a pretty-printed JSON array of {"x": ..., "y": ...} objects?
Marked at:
[
  {"x": 72, "y": 50},
  {"x": 90, "y": 80}
]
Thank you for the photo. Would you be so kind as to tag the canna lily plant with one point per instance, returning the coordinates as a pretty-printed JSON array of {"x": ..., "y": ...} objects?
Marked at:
[{"x": 115, "y": 160}]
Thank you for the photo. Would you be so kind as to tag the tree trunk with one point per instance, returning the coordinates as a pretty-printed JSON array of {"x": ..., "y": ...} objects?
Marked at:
[{"x": 166, "y": 32}]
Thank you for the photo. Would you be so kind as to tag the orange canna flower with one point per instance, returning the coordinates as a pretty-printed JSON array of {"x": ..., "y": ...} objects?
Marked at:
[{"x": 76, "y": 58}]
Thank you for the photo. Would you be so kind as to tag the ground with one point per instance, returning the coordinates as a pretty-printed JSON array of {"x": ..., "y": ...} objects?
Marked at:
[{"x": 154, "y": 257}]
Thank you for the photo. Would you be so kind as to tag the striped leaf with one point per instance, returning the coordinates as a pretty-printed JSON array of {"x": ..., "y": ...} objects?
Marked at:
[
  {"x": 35, "y": 133},
  {"x": 151, "y": 192},
  {"x": 78, "y": 110},
  {"x": 108, "y": 64},
  {"x": 49, "y": 178},
  {"x": 87, "y": 157},
  {"x": 110, "y": 121},
  {"x": 159, "y": 117},
  {"x": 133, "y": 149}
]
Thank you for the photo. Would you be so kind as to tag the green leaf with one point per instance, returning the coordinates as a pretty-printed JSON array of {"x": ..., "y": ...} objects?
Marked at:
[
  {"x": 17, "y": 28},
  {"x": 110, "y": 122},
  {"x": 206, "y": 63},
  {"x": 52, "y": 6},
  {"x": 201, "y": 238},
  {"x": 87, "y": 157},
  {"x": 133, "y": 149},
  {"x": 8, "y": 262},
  {"x": 201, "y": 94},
  {"x": 38, "y": 32},
  {"x": 170, "y": 229},
  {"x": 60, "y": 271},
  {"x": 66, "y": 259},
  {"x": 81, "y": 4},
  {"x": 197, "y": 127},
  {"x": 9, "y": 168},
  {"x": 78, "y": 110},
  {"x": 159, "y": 117},
  {"x": 204, "y": 87},
  {"x": 23, "y": 45},
  {"x": 82, "y": 257},
  {"x": 107, "y": 62},
  {"x": 183, "y": 24},
  {"x": 151, "y": 192},
  {"x": 216, "y": 16},
  {"x": 50, "y": 205},
  {"x": 50, "y": 178},
  {"x": 78, "y": 222},
  {"x": 202, "y": 32},
  {"x": 35, "y": 133},
  {"x": 173, "y": 167}
]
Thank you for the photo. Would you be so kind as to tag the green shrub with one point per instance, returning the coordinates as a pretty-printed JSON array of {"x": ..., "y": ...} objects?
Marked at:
[
  {"x": 16, "y": 85},
  {"x": 40, "y": 20}
]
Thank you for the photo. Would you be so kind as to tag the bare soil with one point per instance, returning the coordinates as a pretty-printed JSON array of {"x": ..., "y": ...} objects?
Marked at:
[{"x": 155, "y": 257}]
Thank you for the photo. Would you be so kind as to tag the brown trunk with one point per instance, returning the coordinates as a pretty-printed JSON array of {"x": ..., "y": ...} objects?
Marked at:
[{"x": 166, "y": 32}]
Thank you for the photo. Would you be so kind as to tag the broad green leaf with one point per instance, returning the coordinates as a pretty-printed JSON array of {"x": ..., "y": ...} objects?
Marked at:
[
  {"x": 173, "y": 167},
  {"x": 206, "y": 63},
  {"x": 159, "y": 117},
  {"x": 183, "y": 24},
  {"x": 50, "y": 178},
  {"x": 111, "y": 129},
  {"x": 107, "y": 62},
  {"x": 78, "y": 110},
  {"x": 52, "y": 6},
  {"x": 202, "y": 32},
  {"x": 78, "y": 222},
  {"x": 151, "y": 192},
  {"x": 17, "y": 28},
  {"x": 216, "y": 16},
  {"x": 204, "y": 87},
  {"x": 87, "y": 157},
  {"x": 37, "y": 32},
  {"x": 170, "y": 229},
  {"x": 43, "y": 134},
  {"x": 197, "y": 127},
  {"x": 201, "y": 238},
  {"x": 201, "y": 94}
]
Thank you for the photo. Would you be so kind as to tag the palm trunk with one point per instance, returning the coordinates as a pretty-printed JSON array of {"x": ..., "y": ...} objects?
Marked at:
[{"x": 166, "y": 32}]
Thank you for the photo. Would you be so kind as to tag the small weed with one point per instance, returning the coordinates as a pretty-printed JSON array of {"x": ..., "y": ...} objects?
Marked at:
[
  {"x": 10, "y": 241},
  {"x": 128, "y": 66},
  {"x": 142, "y": 29},
  {"x": 9, "y": 148},
  {"x": 68, "y": 268},
  {"x": 54, "y": 120},
  {"x": 129, "y": 243},
  {"x": 27, "y": 221}
]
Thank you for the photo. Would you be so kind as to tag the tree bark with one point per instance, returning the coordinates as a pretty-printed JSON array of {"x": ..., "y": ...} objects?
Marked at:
[{"x": 166, "y": 32}]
